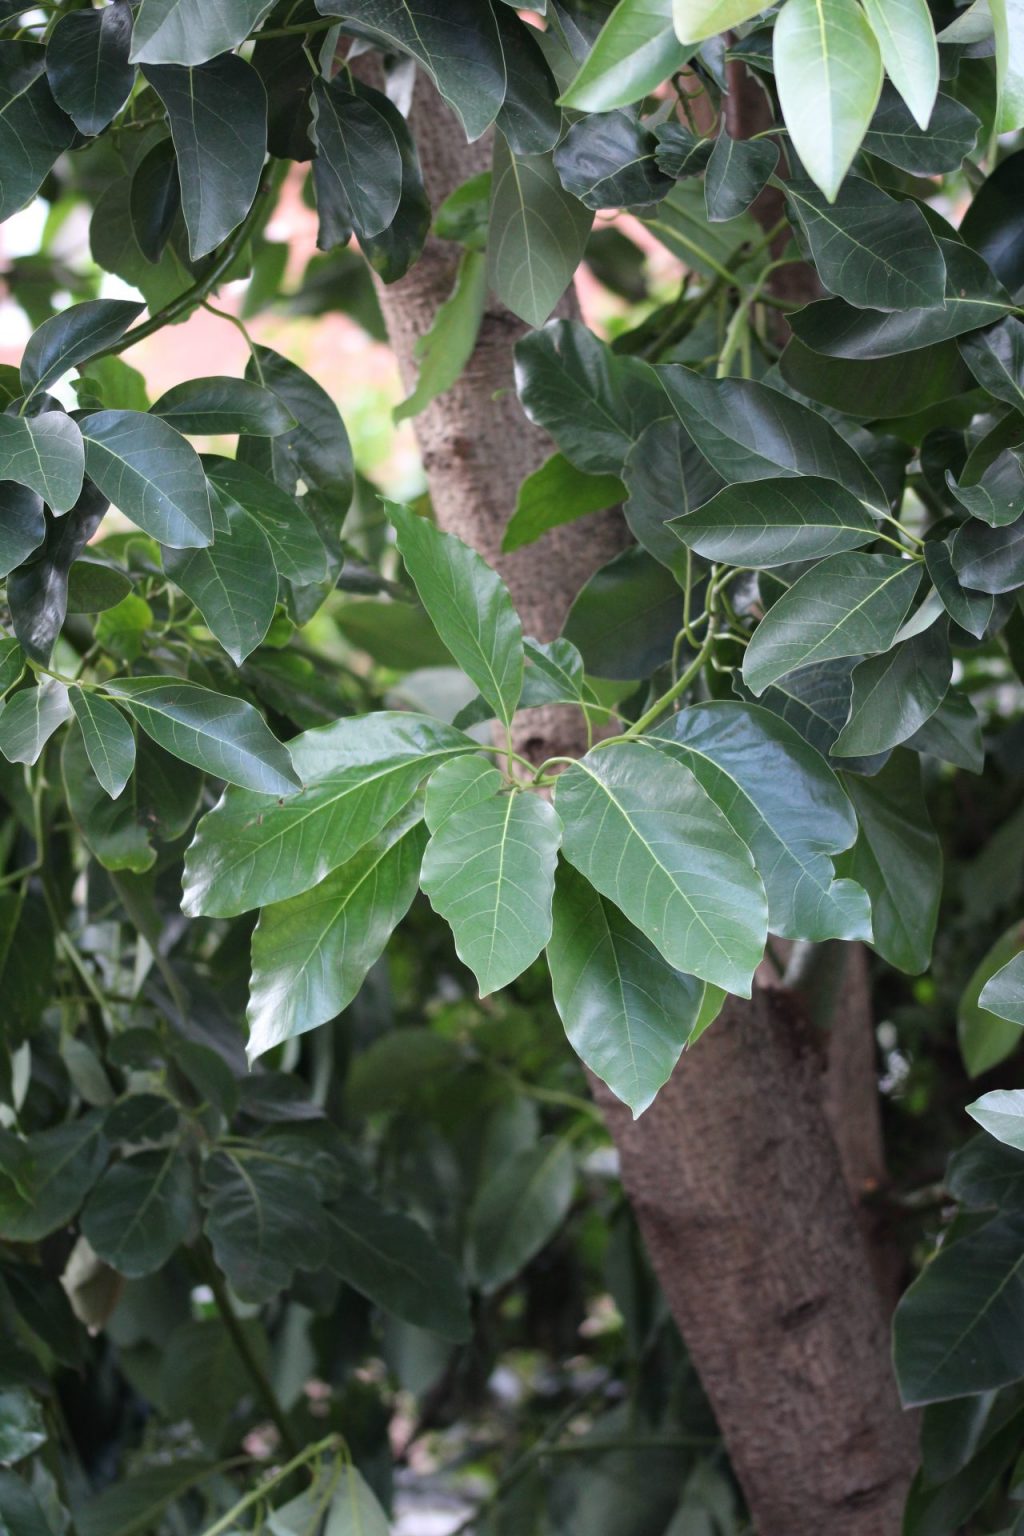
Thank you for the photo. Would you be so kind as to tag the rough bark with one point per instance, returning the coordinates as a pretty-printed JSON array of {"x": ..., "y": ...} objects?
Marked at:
[{"x": 736, "y": 1179}]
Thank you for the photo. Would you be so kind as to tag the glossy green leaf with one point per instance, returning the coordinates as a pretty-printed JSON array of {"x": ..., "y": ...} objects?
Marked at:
[
  {"x": 455, "y": 41},
  {"x": 191, "y": 31},
  {"x": 952, "y": 734},
  {"x": 445, "y": 349},
  {"x": 636, "y": 50},
  {"x": 222, "y": 405},
  {"x": 973, "y": 611},
  {"x": 518, "y": 1210},
  {"x": 848, "y": 605},
  {"x": 68, "y": 338},
  {"x": 896, "y": 693},
  {"x": 627, "y": 1013},
  {"x": 297, "y": 548},
  {"x": 906, "y": 36},
  {"x": 489, "y": 871},
  {"x": 154, "y": 200},
  {"x": 393, "y": 252},
  {"x": 554, "y": 494},
  {"x": 989, "y": 559},
  {"x": 114, "y": 831},
  {"x": 993, "y": 493},
  {"x": 87, "y": 65},
  {"x": 45, "y": 1178},
  {"x": 222, "y": 736},
  {"x": 996, "y": 358},
  {"x": 458, "y": 785},
  {"x": 1001, "y": 1113},
  {"x": 151, "y": 474},
  {"x": 536, "y": 236},
  {"x": 529, "y": 118},
  {"x": 469, "y": 605},
  {"x": 45, "y": 454},
  {"x": 886, "y": 387},
  {"x": 1003, "y": 993},
  {"x": 109, "y": 741},
  {"x": 666, "y": 476},
  {"x": 37, "y": 592},
  {"x": 772, "y": 522},
  {"x": 29, "y": 719},
  {"x": 696, "y": 20},
  {"x": 625, "y": 620},
  {"x": 607, "y": 160},
  {"x": 1008, "y": 26},
  {"x": 894, "y": 136},
  {"x": 898, "y": 860},
  {"x": 680, "y": 221},
  {"x": 358, "y": 166},
  {"x": 786, "y": 804},
  {"x": 263, "y": 1218},
  {"x": 233, "y": 581},
  {"x": 22, "y": 524},
  {"x": 22, "y": 1426},
  {"x": 358, "y": 774},
  {"x": 312, "y": 953},
  {"x": 647, "y": 835},
  {"x": 33, "y": 129},
  {"x": 959, "y": 1329},
  {"x": 737, "y": 173},
  {"x": 218, "y": 117},
  {"x": 12, "y": 664},
  {"x": 389, "y": 1258},
  {"x": 140, "y": 1211},
  {"x": 20, "y": 1510},
  {"x": 986, "y": 1036},
  {"x": 828, "y": 70},
  {"x": 870, "y": 249},
  {"x": 986, "y": 1173}
]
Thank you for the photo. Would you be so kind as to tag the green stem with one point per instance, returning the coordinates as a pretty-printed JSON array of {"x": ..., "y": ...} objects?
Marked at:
[
  {"x": 258, "y": 1495},
  {"x": 678, "y": 688},
  {"x": 254, "y": 1369}
]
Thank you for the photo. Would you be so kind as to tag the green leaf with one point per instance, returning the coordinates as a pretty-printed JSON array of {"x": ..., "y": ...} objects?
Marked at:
[
  {"x": 986, "y": 1173},
  {"x": 952, "y": 734},
  {"x": 134, "y": 1506},
  {"x": 986, "y": 1036},
  {"x": 848, "y": 605},
  {"x": 22, "y": 524},
  {"x": 884, "y": 387},
  {"x": 737, "y": 173},
  {"x": 391, "y": 1259},
  {"x": 627, "y": 1013},
  {"x": 973, "y": 611},
  {"x": 233, "y": 581},
  {"x": 593, "y": 402},
  {"x": 68, "y": 338},
  {"x": 537, "y": 234},
  {"x": 12, "y": 664},
  {"x": 154, "y": 200},
  {"x": 959, "y": 1329},
  {"x": 312, "y": 953},
  {"x": 20, "y": 1510},
  {"x": 87, "y": 65},
  {"x": 22, "y": 1428},
  {"x": 898, "y": 860},
  {"x": 773, "y": 522},
  {"x": 949, "y": 138},
  {"x": 1003, "y": 993},
  {"x": 489, "y": 871},
  {"x": 554, "y": 494},
  {"x": 647, "y": 835},
  {"x": 33, "y": 129},
  {"x": 297, "y": 548},
  {"x": 456, "y": 41},
  {"x": 696, "y": 20},
  {"x": 109, "y": 741},
  {"x": 192, "y": 31},
  {"x": 786, "y": 804},
  {"x": 45, "y": 454},
  {"x": 518, "y": 1210},
  {"x": 989, "y": 559},
  {"x": 113, "y": 830},
  {"x": 529, "y": 117},
  {"x": 223, "y": 405},
  {"x": 358, "y": 774},
  {"x": 218, "y": 117},
  {"x": 94, "y": 587},
  {"x": 223, "y": 736},
  {"x": 906, "y": 36},
  {"x": 996, "y": 358},
  {"x": 151, "y": 474},
  {"x": 458, "y": 785},
  {"x": 358, "y": 167},
  {"x": 393, "y": 252},
  {"x": 607, "y": 160},
  {"x": 469, "y": 606},
  {"x": 828, "y": 71},
  {"x": 1001, "y": 1113},
  {"x": 354, "y": 1510},
  {"x": 29, "y": 719},
  {"x": 263, "y": 1218},
  {"x": 666, "y": 476},
  {"x": 635, "y": 51},
  {"x": 140, "y": 1211},
  {"x": 896, "y": 693},
  {"x": 38, "y": 591},
  {"x": 870, "y": 249},
  {"x": 1008, "y": 25},
  {"x": 45, "y": 1178},
  {"x": 993, "y": 492},
  {"x": 202, "y": 1379},
  {"x": 446, "y": 348},
  {"x": 625, "y": 619}
]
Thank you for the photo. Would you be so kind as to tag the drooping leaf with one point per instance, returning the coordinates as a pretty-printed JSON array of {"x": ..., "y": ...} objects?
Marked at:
[
  {"x": 233, "y": 581},
  {"x": 398, "y": 247},
  {"x": 1006, "y": 24},
  {"x": 222, "y": 736},
  {"x": 996, "y": 358},
  {"x": 786, "y": 804},
  {"x": 45, "y": 454},
  {"x": 696, "y": 20},
  {"x": 625, "y": 620},
  {"x": 45, "y": 1178},
  {"x": 140, "y": 1211},
  {"x": 897, "y": 859},
  {"x": 151, "y": 474},
  {"x": 667, "y": 477},
  {"x": 392, "y": 1260},
  {"x": 132, "y": 1505},
  {"x": 536, "y": 236},
  {"x": 554, "y": 494},
  {"x": 68, "y": 338},
  {"x": 358, "y": 166},
  {"x": 489, "y": 871},
  {"x": 29, "y": 719},
  {"x": 952, "y": 734},
  {"x": 992, "y": 492},
  {"x": 191, "y": 31},
  {"x": 202, "y": 1379},
  {"x": 311, "y": 954},
  {"x": 518, "y": 1210},
  {"x": 22, "y": 524},
  {"x": 773, "y": 522},
  {"x": 263, "y": 1218},
  {"x": 896, "y": 693},
  {"x": 636, "y": 50},
  {"x": 87, "y": 65},
  {"x": 297, "y": 548},
  {"x": 885, "y": 387},
  {"x": 20, "y": 1510},
  {"x": 737, "y": 173},
  {"x": 37, "y": 592},
  {"x": 218, "y": 117},
  {"x": 222, "y": 405},
  {"x": 469, "y": 605},
  {"x": 868, "y": 248},
  {"x": 647, "y": 835},
  {"x": 354, "y": 1509},
  {"x": 933, "y": 151},
  {"x": 973, "y": 611},
  {"x": 627, "y": 1013},
  {"x": 108, "y": 737},
  {"x": 607, "y": 160},
  {"x": 114, "y": 831},
  {"x": 33, "y": 129},
  {"x": 529, "y": 118},
  {"x": 154, "y": 200},
  {"x": 989, "y": 559},
  {"x": 358, "y": 774},
  {"x": 906, "y": 36}
]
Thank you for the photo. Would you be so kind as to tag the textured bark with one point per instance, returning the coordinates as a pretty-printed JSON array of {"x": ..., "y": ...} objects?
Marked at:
[{"x": 736, "y": 1179}]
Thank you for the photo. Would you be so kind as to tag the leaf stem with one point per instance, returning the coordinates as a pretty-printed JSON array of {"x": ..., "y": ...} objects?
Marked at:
[
  {"x": 678, "y": 688},
  {"x": 257, "y": 1495}
]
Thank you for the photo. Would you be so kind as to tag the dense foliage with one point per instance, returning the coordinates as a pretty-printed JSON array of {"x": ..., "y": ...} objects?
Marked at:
[{"x": 262, "y": 690}]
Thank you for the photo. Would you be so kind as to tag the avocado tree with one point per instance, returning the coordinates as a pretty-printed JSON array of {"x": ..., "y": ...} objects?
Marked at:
[{"x": 650, "y": 784}]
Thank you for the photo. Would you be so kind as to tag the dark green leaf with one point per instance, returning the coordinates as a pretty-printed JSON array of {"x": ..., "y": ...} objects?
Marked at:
[
  {"x": 22, "y": 1428},
  {"x": 636, "y": 50},
  {"x": 68, "y": 338},
  {"x": 264, "y": 1220},
  {"x": 868, "y": 248},
  {"x": 607, "y": 161},
  {"x": 557, "y": 493},
  {"x": 38, "y": 591},
  {"x": 134, "y": 1506},
  {"x": 151, "y": 474},
  {"x": 297, "y": 547},
  {"x": 223, "y": 736},
  {"x": 358, "y": 166},
  {"x": 896, "y": 693},
  {"x": 45, "y": 1178},
  {"x": 87, "y": 65},
  {"x": 154, "y": 201},
  {"x": 222, "y": 405},
  {"x": 29, "y": 719},
  {"x": 284, "y": 66},
  {"x": 973, "y": 611},
  {"x": 108, "y": 738},
  {"x": 666, "y": 475},
  {"x": 192, "y": 31},
  {"x": 939, "y": 148},
  {"x": 952, "y": 734},
  {"x": 737, "y": 172},
  {"x": 22, "y": 524},
  {"x": 626, "y": 618},
  {"x": 140, "y": 1211},
  {"x": 992, "y": 492},
  {"x": 989, "y": 559},
  {"x": 33, "y": 129},
  {"x": 996, "y": 358},
  {"x": 393, "y": 252},
  {"x": 537, "y": 234},
  {"x": 93, "y": 587},
  {"x": 202, "y": 1378},
  {"x": 986, "y": 1173},
  {"x": 518, "y": 1210},
  {"x": 233, "y": 581},
  {"x": 994, "y": 223},
  {"x": 884, "y": 387},
  {"x": 20, "y": 1511},
  {"x": 114, "y": 831},
  {"x": 45, "y": 454},
  {"x": 681, "y": 152},
  {"x": 773, "y": 522},
  {"x": 985, "y": 1036},
  {"x": 529, "y": 119},
  {"x": 218, "y": 117}
]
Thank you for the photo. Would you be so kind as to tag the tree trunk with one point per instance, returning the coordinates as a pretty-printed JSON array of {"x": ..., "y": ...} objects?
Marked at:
[{"x": 734, "y": 1175}]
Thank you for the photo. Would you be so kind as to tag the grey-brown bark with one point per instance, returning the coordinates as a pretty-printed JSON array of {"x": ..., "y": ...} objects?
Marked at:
[{"x": 737, "y": 1182}]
